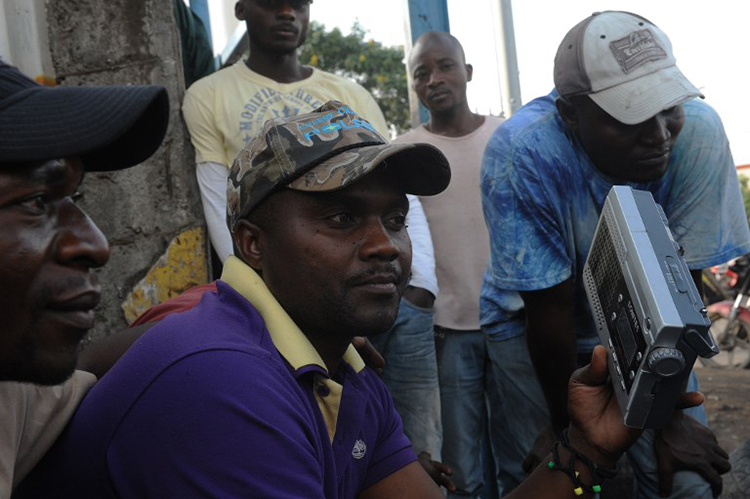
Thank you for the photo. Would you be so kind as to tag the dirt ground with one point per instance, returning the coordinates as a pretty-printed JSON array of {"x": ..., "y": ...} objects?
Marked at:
[{"x": 727, "y": 403}]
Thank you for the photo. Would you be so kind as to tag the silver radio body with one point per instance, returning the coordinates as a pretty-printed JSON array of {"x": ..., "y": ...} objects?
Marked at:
[{"x": 647, "y": 309}]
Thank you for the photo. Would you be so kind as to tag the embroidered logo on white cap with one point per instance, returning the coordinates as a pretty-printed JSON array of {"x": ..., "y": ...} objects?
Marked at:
[
  {"x": 638, "y": 48},
  {"x": 359, "y": 449}
]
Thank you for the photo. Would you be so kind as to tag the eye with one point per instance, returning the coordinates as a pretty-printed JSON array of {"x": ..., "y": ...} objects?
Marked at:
[
  {"x": 343, "y": 219},
  {"x": 396, "y": 222},
  {"x": 420, "y": 75},
  {"x": 672, "y": 112},
  {"x": 77, "y": 197},
  {"x": 36, "y": 203}
]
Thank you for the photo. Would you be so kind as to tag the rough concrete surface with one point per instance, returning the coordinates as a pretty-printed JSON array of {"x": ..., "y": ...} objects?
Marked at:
[{"x": 122, "y": 42}]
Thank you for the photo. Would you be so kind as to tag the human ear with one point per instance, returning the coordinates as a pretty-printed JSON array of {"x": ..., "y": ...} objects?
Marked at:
[
  {"x": 248, "y": 247},
  {"x": 469, "y": 71},
  {"x": 567, "y": 112},
  {"x": 239, "y": 10}
]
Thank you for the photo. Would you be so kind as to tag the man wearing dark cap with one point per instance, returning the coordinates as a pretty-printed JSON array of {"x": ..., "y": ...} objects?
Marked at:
[
  {"x": 256, "y": 391},
  {"x": 621, "y": 113},
  {"x": 48, "y": 139}
]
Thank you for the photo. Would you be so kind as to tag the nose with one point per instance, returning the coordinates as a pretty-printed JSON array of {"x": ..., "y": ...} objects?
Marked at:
[
  {"x": 79, "y": 241},
  {"x": 380, "y": 243},
  {"x": 656, "y": 131},
  {"x": 285, "y": 11},
  {"x": 435, "y": 79}
]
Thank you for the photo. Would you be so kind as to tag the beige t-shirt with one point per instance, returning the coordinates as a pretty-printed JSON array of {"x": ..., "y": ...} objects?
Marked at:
[
  {"x": 226, "y": 109},
  {"x": 31, "y": 419},
  {"x": 456, "y": 222}
]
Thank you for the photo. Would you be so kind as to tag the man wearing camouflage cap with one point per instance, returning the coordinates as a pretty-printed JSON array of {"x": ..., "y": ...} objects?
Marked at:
[{"x": 256, "y": 391}]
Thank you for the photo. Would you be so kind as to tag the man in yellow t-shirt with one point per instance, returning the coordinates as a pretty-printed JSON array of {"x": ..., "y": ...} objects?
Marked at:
[{"x": 224, "y": 110}]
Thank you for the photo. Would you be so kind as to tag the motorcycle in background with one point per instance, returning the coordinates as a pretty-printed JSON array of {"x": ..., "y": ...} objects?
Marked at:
[{"x": 729, "y": 289}]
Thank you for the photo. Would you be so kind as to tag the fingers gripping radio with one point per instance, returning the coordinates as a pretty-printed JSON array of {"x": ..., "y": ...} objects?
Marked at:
[{"x": 648, "y": 312}]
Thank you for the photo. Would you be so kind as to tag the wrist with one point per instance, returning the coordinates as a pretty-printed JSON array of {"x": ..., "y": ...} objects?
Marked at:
[
  {"x": 600, "y": 456},
  {"x": 419, "y": 297}
]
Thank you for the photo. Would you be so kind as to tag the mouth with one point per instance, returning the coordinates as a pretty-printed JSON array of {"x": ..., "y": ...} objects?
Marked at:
[
  {"x": 381, "y": 283},
  {"x": 438, "y": 95},
  {"x": 75, "y": 310},
  {"x": 285, "y": 30},
  {"x": 655, "y": 159}
]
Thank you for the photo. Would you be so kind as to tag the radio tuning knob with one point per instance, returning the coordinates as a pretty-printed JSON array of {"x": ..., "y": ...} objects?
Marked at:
[{"x": 666, "y": 362}]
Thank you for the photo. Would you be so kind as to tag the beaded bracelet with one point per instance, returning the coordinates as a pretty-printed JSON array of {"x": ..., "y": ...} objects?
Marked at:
[{"x": 598, "y": 473}]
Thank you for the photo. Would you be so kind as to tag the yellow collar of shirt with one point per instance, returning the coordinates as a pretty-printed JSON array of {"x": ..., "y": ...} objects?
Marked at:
[{"x": 288, "y": 339}]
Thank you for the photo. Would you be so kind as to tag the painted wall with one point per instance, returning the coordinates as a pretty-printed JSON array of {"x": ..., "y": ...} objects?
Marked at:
[{"x": 151, "y": 214}]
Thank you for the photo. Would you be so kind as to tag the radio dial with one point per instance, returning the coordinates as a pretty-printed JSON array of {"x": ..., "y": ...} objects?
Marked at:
[{"x": 666, "y": 362}]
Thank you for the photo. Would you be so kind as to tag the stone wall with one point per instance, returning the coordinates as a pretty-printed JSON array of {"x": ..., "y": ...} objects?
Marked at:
[{"x": 142, "y": 210}]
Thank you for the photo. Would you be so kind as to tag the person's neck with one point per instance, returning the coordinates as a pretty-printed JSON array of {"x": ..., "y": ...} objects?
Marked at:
[
  {"x": 282, "y": 68},
  {"x": 455, "y": 122},
  {"x": 330, "y": 348}
]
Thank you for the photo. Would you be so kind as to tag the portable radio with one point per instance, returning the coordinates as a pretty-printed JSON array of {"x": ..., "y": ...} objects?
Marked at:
[{"x": 647, "y": 309}]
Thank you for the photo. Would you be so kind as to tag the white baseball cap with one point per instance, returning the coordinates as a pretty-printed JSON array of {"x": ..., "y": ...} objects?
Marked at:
[{"x": 624, "y": 63}]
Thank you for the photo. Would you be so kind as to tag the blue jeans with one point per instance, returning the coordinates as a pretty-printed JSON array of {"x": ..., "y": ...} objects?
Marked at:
[
  {"x": 411, "y": 375},
  {"x": 468, "y": 387},
  {"x": 528, "y": 408},
  {"x": 643, "y": 461}
]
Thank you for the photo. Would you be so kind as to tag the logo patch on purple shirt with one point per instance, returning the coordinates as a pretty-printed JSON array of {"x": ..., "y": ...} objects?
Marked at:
[
  {"x": 638, "y": 48},
  {"x": 359, "y": 449}
]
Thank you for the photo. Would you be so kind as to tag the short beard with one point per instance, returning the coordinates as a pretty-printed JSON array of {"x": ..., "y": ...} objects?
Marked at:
[{"x": 22, "y": 365}]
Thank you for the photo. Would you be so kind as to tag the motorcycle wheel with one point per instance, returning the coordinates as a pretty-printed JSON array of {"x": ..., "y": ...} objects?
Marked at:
[{"x": 734, "y": 345}]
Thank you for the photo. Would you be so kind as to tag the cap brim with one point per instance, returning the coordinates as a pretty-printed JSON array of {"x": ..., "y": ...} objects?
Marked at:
[
  {"x": 108, "y": 127},
  {"x": 421, "y": 169},
  {"x": 641, "y": 99}
]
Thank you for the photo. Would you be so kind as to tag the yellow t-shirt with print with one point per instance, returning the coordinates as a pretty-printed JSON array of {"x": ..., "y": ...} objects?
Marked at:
[{"x": 225, "y": 110}]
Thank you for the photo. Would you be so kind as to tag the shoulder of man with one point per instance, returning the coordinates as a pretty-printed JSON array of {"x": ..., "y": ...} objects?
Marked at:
[
  {"x": 534, "y": 126},
  {"x": 209, "y": 82},
  {"x": 332, "y": 79},
  {"x": 700, "y": 113},
  {"x": 413, "y": 135}
]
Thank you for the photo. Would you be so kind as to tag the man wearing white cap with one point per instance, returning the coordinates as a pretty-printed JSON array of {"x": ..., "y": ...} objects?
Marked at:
[{"x": 621, "y": 113}]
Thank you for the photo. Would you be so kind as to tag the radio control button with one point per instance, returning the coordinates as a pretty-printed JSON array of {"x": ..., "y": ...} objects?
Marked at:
[{"x": 666, "y": 362}]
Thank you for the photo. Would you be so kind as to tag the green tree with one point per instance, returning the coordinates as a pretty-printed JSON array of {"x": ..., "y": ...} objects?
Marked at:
[
  {"x": 745, "y": 188},
  {"x": 379, "y": 69}
]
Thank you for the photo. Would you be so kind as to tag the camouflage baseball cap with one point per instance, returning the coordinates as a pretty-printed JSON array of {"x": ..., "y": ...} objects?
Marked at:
[{"x": 325, "y": 150}]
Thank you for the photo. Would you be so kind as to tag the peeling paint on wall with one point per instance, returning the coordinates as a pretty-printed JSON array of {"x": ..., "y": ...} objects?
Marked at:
[{"x": 181, "y": 267}]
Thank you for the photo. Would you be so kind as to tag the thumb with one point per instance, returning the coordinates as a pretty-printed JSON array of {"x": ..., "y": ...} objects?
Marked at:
[{"x": 596, "y": 372}]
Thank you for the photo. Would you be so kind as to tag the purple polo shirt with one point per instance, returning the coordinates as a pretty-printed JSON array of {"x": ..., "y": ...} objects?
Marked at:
[{"x": 203, "y": 405}]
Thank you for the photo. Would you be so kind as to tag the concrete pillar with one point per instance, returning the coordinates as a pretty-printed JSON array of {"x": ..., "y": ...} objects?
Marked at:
[
  {"x": 151, "y": 214},
  {"x": 23, "y": 38}
]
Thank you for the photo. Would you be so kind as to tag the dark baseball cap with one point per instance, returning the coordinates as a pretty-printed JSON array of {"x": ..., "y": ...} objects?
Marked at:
[
  {"x": 109, "y": 128},
  {"x": 324, "y": 150}
]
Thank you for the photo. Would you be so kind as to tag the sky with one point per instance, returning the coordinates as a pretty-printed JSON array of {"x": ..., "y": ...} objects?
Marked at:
[{"x": 709, "y": 40}]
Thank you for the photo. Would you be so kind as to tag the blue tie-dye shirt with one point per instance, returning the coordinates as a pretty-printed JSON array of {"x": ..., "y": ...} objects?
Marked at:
[{"x": 542, "y": 197}]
